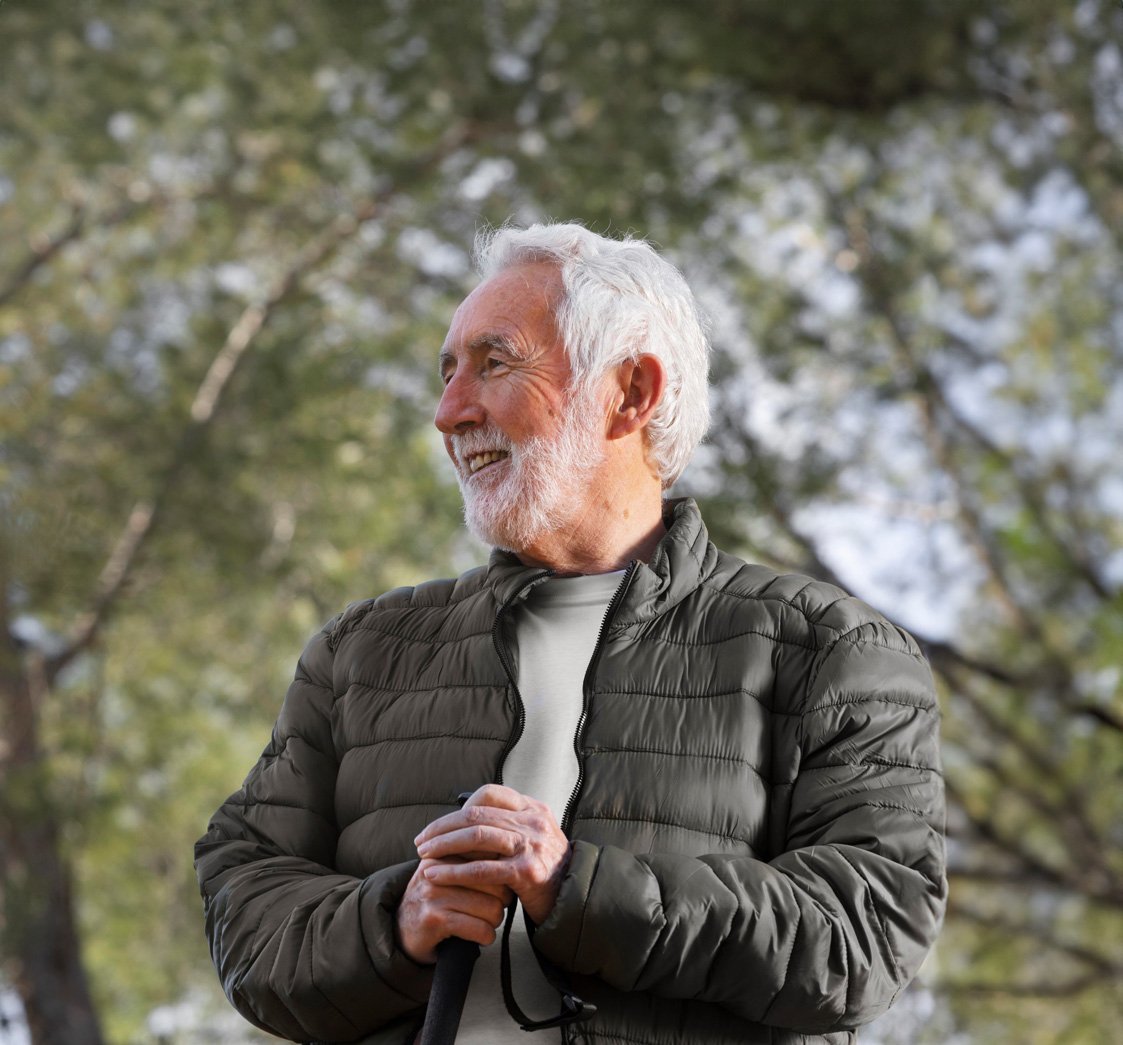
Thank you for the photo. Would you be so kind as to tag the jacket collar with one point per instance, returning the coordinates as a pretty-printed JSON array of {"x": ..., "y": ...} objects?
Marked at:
[{"x": 682, "y": 559}]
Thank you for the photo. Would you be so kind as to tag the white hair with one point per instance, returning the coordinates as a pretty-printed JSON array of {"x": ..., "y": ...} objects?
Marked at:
[{"x": 622, "y": 300}]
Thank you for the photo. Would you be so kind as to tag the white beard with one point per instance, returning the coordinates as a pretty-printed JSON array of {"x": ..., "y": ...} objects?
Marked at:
[{"x": 536, "y": 487}]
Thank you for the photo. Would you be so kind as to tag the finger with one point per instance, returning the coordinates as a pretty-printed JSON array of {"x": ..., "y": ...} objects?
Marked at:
[
  {"x": 445, "y": 898},
  {"x": 497, "y": 891},
  {"x": 466, "y": 817},
  {"x": 426, "y": 890},
  {"x": 431, "y": 904},
  {"x": 476, "y": 874},
  {"x": 467, "y": 927},
  {"x": 429, "y": 913},
  {"x": 480, "y": 840},
  {"x": 498, "y": 796}
]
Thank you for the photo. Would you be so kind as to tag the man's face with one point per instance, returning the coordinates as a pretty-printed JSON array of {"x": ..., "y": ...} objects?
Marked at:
[{"x": 523, "y": 444}]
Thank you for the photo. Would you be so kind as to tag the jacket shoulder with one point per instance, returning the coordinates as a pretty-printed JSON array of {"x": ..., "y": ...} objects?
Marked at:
[
  {"x": 440, "y": 594},
  {"x": 823, "y": 611}
]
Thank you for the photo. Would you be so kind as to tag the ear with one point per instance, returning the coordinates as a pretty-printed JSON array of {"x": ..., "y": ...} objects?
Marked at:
[{"x": 636, "y": 393}]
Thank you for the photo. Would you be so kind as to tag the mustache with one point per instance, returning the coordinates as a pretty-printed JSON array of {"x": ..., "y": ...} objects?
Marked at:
[{"x": 478, "y": 440}]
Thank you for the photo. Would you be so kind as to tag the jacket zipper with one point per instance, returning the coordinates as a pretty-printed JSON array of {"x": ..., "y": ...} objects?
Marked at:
[
  {"x": 586, "y": 689},
  {"x": 520, "y": 707}
]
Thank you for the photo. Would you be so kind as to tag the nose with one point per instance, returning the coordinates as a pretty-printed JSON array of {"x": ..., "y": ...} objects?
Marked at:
[{"x": 459, "y": 408}]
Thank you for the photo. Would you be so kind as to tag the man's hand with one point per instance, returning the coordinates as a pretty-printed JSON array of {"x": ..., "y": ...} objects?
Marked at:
[
  {"x": 501, "y": 838},
  {"x": 429, "y": 913}
]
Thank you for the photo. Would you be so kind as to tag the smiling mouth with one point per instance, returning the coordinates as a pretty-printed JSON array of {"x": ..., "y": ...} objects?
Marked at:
[{"x": 478, "y": 461}]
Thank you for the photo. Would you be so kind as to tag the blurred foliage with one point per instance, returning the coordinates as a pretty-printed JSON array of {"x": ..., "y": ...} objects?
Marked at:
[{"x": 906, "y": 221}]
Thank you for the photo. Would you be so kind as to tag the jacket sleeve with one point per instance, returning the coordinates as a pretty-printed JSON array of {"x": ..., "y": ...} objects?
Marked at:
[
  {"x": 825, "y": 935},
  {"x": 302, "y": 951}
]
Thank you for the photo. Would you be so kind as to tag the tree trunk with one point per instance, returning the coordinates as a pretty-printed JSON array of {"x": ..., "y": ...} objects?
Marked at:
[
  {"x": 48, "y": 973},
  {"x": 39, "y": 942}
]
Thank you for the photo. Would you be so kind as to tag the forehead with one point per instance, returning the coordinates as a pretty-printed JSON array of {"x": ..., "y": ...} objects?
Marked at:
[{"x": 516, "y": 304}]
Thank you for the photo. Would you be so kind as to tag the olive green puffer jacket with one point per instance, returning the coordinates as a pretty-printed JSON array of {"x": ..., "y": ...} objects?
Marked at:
[{"x": 757, "y": 849}]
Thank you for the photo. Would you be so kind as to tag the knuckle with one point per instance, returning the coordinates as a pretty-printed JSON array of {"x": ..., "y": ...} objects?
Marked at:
[
  {"x": 542, "y": 821},
  {"x": 530, "y": 871}
]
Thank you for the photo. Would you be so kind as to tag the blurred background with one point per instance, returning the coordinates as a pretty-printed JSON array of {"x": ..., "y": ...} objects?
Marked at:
[{"x": 231, "y": 238}]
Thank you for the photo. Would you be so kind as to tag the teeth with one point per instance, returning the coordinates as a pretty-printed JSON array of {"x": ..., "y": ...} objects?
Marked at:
[{"x": 479, "y": 460}]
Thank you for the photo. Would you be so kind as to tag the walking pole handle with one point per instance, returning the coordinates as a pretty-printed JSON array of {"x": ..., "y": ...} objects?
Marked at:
[{"x": 456, "y": 958}]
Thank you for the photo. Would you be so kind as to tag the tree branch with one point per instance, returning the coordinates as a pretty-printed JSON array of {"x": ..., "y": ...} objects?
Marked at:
[
  {"x": 1041, "y": 989},
  {"x": 941, "y": 652},
  {"x": 1067, "y": 816},
  {"x": 1079, "y": 558},
  {"x": 993, "y": 923},
  {"x": 988, "y": 831},
  {"x": 1104, "y": 715},
  {"x": 41, "y": 249},
  {"x": 142, "y": 518},
  {"x": 1035, "y": 755},
  {"x": 876, "y": 287},
  {"x": 1015, "y": 878}
]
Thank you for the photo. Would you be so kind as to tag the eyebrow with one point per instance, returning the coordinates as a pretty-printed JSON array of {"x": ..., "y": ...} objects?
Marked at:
[{"x": 482, "y": 343}]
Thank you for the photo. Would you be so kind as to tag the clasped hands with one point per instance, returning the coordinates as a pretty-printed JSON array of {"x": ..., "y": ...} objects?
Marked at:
[{"x": 500, "y": 845}]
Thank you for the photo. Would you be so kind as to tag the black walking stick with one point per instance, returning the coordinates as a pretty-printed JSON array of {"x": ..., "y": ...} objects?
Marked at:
[{"x": 456, "y": 958}]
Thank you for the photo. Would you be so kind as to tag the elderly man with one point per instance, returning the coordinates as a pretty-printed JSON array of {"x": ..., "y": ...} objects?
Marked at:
[{"x": 713, "y": 789}]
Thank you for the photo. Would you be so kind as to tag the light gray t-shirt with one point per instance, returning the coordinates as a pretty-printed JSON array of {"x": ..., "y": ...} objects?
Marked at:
[{"x": 556, "y": 630}]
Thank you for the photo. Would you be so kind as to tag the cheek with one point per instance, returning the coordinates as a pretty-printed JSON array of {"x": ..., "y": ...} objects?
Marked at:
[{"x": 540, "y": 407}]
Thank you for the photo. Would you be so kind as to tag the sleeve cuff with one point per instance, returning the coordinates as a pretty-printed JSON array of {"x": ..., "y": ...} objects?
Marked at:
[
  {"x": 559, "y": 936},
  {"x": 381, "y": 894}
]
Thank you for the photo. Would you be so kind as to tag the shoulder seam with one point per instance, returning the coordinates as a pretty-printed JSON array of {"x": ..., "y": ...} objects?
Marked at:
[{"x": 814, "y": 622}]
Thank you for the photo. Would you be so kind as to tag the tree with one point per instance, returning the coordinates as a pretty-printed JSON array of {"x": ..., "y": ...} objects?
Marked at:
[{"x": 242, "y": 233}]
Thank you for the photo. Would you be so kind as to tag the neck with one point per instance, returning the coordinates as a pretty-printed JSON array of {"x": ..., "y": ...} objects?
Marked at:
[{"x": 611, "y": 531}]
